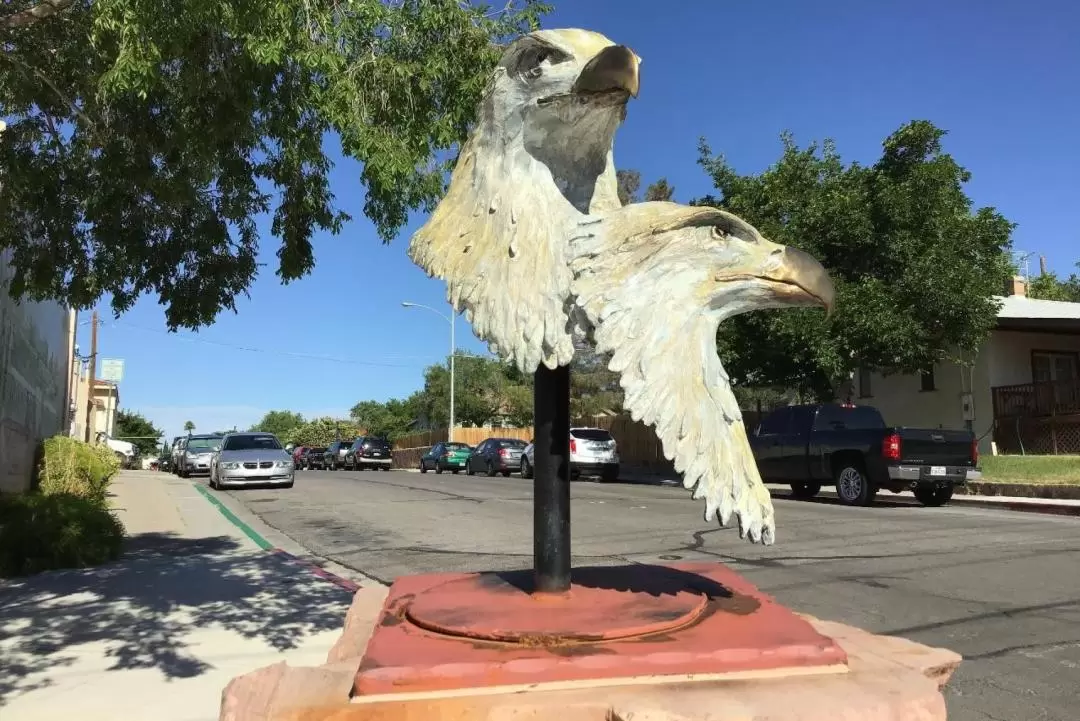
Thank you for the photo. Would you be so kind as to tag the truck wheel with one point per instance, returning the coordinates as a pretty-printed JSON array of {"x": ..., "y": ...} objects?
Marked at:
[
  {"x": 933, "y": 496},
  {"x": 805, "y": 491},
  {"x": 853, "y": 488}
]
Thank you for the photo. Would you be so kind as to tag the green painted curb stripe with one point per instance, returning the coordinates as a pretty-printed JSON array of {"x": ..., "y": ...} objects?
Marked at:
[{"x": 248, "y": 530}]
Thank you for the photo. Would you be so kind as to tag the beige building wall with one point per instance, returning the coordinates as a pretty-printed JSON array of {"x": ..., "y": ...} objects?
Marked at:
[
  {"x": 902, "y": 401},
  {"x": 1004, "y": 360}
]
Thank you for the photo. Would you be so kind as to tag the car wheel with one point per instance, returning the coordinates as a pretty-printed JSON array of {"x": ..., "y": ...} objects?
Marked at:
[
  {"x": 526, "y": 469},
  {"x": 438, "y": 467},
  {"x": 469, "y": 469},
  {"x": 455, "y": 471},
  {"x": 386, "y": 468},
  {"x": 423, "y": 466},
  {"x": 506, "y": 474},
  {"x": 804, "y": 491},
  {"x": 853, "y": 488},
  {"x": 610, "y": 476},
  {"x": 490, "y": 469},
  {"x": 289, "y": 484},
  {"x": 933, "y": 496}
]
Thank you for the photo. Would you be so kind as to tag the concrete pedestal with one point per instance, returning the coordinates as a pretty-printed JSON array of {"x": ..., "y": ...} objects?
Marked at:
[{"x": 844, "y": 672}]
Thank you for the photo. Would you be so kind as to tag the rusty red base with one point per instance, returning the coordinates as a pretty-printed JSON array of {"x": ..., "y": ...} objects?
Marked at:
[{"x": 468, "y": 630}]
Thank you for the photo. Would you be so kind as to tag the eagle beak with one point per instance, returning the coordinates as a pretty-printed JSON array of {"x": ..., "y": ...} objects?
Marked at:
[
  {"x": 613, "y": 68},
  {"x": 804, "y": 280}
]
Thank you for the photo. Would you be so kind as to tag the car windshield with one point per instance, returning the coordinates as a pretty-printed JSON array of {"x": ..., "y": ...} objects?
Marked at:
[
  {"x": 458, "y": 447},
  {"x": 510, "y": 443},
  {"x": 201, "y": 445},
  {"x": 251, "y": 443},
  {"x": 591, "y": 434}
]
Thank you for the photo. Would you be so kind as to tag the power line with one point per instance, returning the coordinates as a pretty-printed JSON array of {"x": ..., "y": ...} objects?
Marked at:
[{"x": 288, "y": 354}]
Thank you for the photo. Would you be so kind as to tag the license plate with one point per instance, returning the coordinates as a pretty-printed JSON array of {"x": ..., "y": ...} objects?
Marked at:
[
  {"x": 937, "y": 470},
  {"x": 376, "y": 455}
]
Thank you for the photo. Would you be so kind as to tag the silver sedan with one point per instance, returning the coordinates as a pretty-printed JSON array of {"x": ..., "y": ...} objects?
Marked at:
[{"x": 251, "y": 459}]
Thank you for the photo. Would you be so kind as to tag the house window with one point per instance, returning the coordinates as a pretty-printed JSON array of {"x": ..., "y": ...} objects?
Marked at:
[
  {"x": 1050, "y": 366},
  {"x": 927, "y": 379},
  {"x": 864, "y": 383}
]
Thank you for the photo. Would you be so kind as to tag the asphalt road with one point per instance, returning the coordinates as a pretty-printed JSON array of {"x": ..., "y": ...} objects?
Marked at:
[{"x": 1002, "y": 588}]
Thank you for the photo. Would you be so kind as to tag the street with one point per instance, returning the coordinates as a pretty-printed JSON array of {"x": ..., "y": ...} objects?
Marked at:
[{"x": 1002, "y": 588}]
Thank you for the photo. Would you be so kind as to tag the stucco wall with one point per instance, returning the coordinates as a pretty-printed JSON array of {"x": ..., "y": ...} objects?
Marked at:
[
  {"x": 33, "y": 380},
  {"x": 902, "y": 401},
  {"x": 1010, "y": 354}
]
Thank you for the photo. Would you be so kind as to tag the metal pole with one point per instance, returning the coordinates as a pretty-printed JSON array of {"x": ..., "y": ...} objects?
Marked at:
[
  {"x": 453, "y": 353},
  {"x": 551, "y": 484},
  {"x": 90, "y": 379}
]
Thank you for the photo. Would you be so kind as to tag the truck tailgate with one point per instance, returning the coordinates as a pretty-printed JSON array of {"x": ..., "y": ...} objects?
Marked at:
[{"x": 935, "y": 446}]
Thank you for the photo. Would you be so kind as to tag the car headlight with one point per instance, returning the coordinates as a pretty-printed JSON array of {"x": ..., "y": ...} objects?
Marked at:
[
  {"x": 284, "y": 464},
  {"x": 230, "y": 466}
]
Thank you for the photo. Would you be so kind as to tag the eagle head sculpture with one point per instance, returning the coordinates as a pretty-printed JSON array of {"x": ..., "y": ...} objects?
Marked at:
[
  {"x": 536, "y": 249},
  {"x": 538, "y": 160}
]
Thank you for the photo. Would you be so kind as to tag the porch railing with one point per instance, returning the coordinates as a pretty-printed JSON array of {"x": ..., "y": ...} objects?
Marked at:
[{"x": 1036, "y": 400}]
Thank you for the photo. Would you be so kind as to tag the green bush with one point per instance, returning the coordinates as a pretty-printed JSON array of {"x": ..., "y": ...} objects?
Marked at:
[
  {"x": 44, "y": 532},
  {"x": 69, "y": 466}
]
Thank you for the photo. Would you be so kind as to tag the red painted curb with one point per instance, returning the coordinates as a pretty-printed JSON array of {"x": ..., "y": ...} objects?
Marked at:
[{"x": 351, "y": 586}]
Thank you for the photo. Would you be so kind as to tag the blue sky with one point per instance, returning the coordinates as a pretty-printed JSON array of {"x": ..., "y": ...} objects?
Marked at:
[{"x": 1000, "y": 77}]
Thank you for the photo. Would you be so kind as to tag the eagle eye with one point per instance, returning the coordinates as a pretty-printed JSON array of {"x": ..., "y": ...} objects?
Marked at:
[{"x": 531, "y": 61}]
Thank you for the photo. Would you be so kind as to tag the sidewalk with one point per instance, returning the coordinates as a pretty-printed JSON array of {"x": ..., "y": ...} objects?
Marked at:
[{"x": 157, "y": 635}]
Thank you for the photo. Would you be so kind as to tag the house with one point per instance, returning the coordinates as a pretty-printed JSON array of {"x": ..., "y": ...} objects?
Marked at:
[
  {"x": 106, "y": 404},
  {"x": 1022, "y": 390}
]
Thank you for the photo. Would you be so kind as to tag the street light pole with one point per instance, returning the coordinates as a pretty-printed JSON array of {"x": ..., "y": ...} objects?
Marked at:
[{"x": 453, "y": 352}]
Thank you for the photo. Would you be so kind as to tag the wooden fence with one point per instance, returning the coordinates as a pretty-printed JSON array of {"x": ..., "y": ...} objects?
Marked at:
[{"x": 638, "y": 445}]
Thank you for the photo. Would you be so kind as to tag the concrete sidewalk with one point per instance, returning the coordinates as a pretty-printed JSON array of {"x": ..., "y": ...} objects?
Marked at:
[{"x": 158, "y": 634}]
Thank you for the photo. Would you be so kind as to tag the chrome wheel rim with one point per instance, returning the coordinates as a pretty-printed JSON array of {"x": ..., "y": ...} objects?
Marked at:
[{"x": 850, "y": 484}]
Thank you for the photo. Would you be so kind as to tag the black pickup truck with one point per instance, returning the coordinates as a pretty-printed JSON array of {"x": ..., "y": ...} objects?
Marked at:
[{"x": 850, "y": 447}]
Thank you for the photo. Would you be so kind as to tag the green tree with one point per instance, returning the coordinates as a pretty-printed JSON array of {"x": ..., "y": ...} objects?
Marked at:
[
  {"x": 486, "y": 390},
  {"x": 1047, "y": 286},
  {"x": 159, "y": 132},
  {"x": 629, "y": 182},
  {"x": 135, "y": 428},
  {"x": 660, "y": 190},
  {"x": 279, "y": 423},
  {"x": 391, "y": 419},
  {"x": 321, "y": 432},
  {"x": 916, "y": 267},
  {"x": 189, "y": 426}
]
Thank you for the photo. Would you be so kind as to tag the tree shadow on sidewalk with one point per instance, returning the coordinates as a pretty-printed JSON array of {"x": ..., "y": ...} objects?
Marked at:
[{"x": 141, "y": 610}]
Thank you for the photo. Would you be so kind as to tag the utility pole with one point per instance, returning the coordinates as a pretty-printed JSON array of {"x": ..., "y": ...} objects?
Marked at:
[{"x": 90, "y": 379}]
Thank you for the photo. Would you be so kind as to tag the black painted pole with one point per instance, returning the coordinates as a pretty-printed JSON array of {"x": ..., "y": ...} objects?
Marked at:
[{"x": 551, "y": 483}]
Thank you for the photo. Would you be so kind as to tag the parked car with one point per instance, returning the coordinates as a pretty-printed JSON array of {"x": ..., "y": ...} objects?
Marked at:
[
  {"x": 195, "y": 459},
  {"x": 313, "y": 459},
  {"x": 593, "y": 452},
  {"x": 297, "y": 454},
  {"x": 369, "y": 452},
  {"x": 245, "y": 459},
  {"x": 810, "y": 446},
  {"x": 496, "y": 455},
  {"x": 174, "y": 454},
  {"x": 334, "y": 455},
  {"x": 446, "y": 456}
]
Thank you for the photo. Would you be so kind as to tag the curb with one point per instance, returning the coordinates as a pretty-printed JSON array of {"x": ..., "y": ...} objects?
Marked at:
[{"x": 265, "y": 545}]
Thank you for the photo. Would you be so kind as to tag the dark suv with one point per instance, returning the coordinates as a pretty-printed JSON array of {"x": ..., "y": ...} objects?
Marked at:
[
  {"x": 312, "y": 460},
  {"x": 370, "y": 452},
  {"x": 334, "y": 455}
]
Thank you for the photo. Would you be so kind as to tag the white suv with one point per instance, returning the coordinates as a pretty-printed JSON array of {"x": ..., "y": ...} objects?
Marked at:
[{"x": 593, "y": 452}]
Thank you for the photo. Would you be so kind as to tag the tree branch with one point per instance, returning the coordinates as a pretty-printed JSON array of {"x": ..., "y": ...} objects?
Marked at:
[{"x": 42, "y": 11}]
